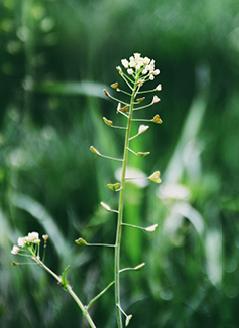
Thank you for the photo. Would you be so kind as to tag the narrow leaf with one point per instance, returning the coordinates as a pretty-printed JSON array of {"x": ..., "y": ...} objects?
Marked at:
[
  {"x": 95, "y": 151},
  {"x": 157, "y": 119},
  {"x": 155, "y": 177},
  {"x": 114, "y": 186},
  {"x": 107, "y": 122},
  {"x": 64, "y": 281},
  {"x": 81, "y": 241}
]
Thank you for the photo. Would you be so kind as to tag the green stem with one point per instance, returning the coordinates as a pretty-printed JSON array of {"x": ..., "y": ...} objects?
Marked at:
[
  {"x": 69, "y": 289},
  {"x": 120, "y": 213},
  {"x": 82, "y": 307}
]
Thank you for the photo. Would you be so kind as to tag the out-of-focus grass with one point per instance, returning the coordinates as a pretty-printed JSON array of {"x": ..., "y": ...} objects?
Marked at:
[{"x": 50, "y": 182}]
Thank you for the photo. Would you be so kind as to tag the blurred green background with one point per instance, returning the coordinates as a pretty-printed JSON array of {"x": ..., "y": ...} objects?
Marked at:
[{"x": 56, "y": 57}]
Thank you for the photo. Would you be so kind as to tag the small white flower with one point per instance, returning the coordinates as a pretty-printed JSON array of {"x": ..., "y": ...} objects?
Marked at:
[
  {"x": 130, "y": 71},
  {"x": 15, "y": 250},
  {"x": 151, "y": 77},
  {"x": 33, "y": 237},
  {"x": 138, "y": 66},
  {"x": 144, "y": 71},
  {"x": 146, "y": 60},
  {"x": 22, "y": 241},
  {"x": 156, "y": 72},
  {"x": 137, "y": 55},
  {"x": 125, "y": 63}
]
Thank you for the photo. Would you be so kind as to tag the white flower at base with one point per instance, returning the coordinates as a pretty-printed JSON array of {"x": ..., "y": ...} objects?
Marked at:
[{"x": 15, "y": 250}]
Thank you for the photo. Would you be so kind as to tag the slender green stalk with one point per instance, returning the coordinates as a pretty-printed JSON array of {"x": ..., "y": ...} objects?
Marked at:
[
  {"x": 120, "y": 213},
  {"x": 68, "y": 288},
  {"x": 82, "y": 307}
]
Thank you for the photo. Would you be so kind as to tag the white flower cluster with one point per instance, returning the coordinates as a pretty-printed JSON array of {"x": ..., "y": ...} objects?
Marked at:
[
  {"x": 31, "y": 238},
  {"x": 141, "y": 65}
]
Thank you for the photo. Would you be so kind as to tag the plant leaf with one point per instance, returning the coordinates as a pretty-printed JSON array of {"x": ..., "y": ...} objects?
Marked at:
[
  {"x": 81, "y": 241},
  {"x": 142, "y": 128},
  {"x": 140, "y": 99},
  {"x": 95, "y": 151},
  {"x": 64, "y": 281},
  {"x": 155, "y": 177},
  {"x": 143, "y": 154},
  {"x": 105, "y": 206},
  {"x": 128, "y": 318},
  {"x": 157, "y": 119},
  {"x": 139, "y": 266},
  {"x": 115, "y": 85},
  {"x": 123, "y": 109},
  {"x": 155, "y": 99},
  {"x": 107, "y": 122},
  {"x": 152, "y": 227},
  {"x": 106, "y": 93},
  {"x": 114, "y": 186}
]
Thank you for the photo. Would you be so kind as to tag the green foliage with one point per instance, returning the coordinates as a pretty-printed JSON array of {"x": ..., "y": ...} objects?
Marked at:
[{"x": 47, "y": 173}]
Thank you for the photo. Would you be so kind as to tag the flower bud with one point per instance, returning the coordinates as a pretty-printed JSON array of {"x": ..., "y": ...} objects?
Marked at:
[{"x": 45, "y": 237}]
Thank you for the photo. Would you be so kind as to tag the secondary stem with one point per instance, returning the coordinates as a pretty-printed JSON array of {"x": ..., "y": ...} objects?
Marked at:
[
  {"x": 69, "y": 289},
  {"x": 120, "y": 213}
]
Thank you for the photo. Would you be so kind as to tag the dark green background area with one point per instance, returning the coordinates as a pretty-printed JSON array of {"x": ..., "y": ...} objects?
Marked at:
[{"x": 56, "y": 57}]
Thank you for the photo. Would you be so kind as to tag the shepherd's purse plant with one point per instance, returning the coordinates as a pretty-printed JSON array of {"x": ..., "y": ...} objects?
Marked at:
[{"x": 135, "y": 73}]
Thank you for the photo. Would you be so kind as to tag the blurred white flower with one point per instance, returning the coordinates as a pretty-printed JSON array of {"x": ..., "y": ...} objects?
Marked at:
[
  {"x": 136, "y": 176},
  {"x": 142, "y": 65},
  {"x": 22, "y": 241},
  {"x": 152, "y": 227},
  {"x": 130, "y": 71},
  {"x": 33, "y": 237},
  {"x": 15, "y": 250},
  {"x": 125, "y": 63},
  {"x": 174, "y": 191}
]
